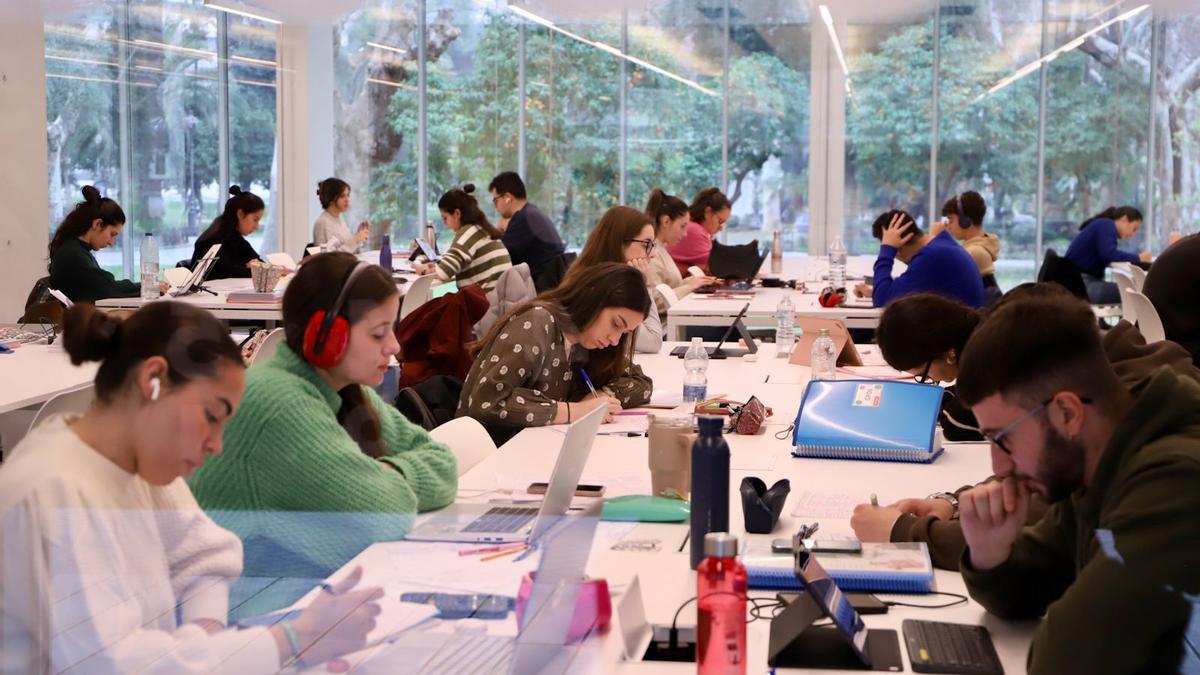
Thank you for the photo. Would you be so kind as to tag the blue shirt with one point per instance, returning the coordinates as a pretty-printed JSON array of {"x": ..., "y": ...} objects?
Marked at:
[
  {"x": 1095, "y": 248},
  {"x": 941, "y": 266}
]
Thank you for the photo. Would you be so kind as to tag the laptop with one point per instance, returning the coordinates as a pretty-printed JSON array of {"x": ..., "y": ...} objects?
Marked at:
[
  {"x": 199, "y": 273},
  {"x": 484, "y": 524},
  {"x": 719, "y": 353}
]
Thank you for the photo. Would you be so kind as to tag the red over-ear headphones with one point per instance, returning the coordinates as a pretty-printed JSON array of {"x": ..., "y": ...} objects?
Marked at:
[
  {"x": 831, "y": 297},
  {"x": 328, "y": 333}
]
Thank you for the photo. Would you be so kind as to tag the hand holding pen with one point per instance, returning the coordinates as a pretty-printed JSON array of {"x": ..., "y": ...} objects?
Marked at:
[{"x": 614, "y": 406}]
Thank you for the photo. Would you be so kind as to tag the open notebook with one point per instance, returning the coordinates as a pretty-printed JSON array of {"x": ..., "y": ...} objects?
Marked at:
[{"x": 902, "y": 567}]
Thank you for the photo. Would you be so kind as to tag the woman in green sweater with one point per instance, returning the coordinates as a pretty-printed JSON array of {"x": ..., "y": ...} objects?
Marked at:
[{"x": 316, "y": 467}]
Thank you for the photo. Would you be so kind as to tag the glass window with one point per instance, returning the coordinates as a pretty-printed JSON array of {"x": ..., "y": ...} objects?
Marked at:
[
  {"x": 1177, "y": 132},
  {"x": 252, "y": 124}
]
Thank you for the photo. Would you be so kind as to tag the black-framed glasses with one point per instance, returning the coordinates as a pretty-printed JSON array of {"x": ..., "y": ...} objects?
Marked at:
[
  {"x": 998, "y": 439},
  {"x": 647, "y": 243},
  {"x": 924, "y": 377}
]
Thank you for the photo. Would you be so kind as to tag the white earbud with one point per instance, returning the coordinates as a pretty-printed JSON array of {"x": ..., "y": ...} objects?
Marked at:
[{"x": 155, "y": 388}]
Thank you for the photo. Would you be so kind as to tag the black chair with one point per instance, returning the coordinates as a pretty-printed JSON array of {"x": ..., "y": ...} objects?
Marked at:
[
  {"x": 1059, "y": 270},
  {"x": 553, "y": 273}
]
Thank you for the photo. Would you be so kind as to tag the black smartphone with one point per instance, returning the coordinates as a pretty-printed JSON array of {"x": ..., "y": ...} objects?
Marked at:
[{"x": 581, "y": 490}]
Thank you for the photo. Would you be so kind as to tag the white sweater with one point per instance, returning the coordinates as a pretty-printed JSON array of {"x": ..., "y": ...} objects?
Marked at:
[
  {"x": 96, "y": 563},
  {"x": 331, "y": 229}
]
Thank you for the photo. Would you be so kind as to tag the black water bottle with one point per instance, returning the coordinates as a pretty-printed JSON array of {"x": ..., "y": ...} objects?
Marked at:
[{"x": 710, "y": 484}]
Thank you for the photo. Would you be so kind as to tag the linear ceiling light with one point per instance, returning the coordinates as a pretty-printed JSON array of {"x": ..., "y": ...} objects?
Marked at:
[
  {"x": 388, "y": 48},
  {"x": 231, "y": 8},
  {"x": 1073, "y": 44},
  {"x": 837, "y": 44},
  {"x": 604, "y": 47}
]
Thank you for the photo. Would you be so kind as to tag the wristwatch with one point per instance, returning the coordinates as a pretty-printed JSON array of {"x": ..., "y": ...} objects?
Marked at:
[{"x": 950, "y": 497}]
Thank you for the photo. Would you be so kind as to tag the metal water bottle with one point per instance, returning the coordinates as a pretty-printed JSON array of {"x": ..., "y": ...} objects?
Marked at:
[
  {"x": 385, "y": 253},
  {"x": 710, "y": 484}
]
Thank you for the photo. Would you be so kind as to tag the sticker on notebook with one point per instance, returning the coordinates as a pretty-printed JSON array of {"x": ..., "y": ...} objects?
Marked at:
[{"x": 868, "y": 395}]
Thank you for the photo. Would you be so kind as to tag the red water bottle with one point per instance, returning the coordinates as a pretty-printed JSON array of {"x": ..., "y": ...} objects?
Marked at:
[{"x": 721, "y": 608}]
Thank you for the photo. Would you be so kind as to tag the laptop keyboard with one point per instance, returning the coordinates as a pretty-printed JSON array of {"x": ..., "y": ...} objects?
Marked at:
[
  {"x": 502, "y": 519},
  {"x": 938, "y": 647},
  {"x": 471, "y": 654}
]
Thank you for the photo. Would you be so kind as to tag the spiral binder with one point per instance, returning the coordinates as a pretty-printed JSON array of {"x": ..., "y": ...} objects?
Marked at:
[
  {"x": 880, "y": 420},
  {"x": 902, "y": 567}
]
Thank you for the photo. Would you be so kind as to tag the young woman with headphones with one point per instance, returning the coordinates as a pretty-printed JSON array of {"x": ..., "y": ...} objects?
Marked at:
[
  {"x": 94, "y": 517},
  {"x": 316, "y": 466},
  {"x": 530, "y": 368}
]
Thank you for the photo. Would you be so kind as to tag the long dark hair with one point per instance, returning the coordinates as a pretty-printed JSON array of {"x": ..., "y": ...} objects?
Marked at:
[
  {"x": 578, "y": 301},
  {"x": 460, "y": 199},
  {"x": 919, "y": 328},
  {"x": 607, "y": 240},
  {"x": 1114, "y": 213},
  {"x": 329, "y": 191},
  {"x": 193, "y": 342},
  {"x": 662, "y": 204},
  {"x": 315, "y": 288},
  {"x": 710, "y": 198},
  {"x": 227, "y": 222},
  {"x": 80, "y": 219}
]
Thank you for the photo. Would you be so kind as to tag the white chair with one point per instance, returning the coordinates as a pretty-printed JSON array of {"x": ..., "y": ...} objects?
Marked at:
[
  {"x": 176, "y": 276},
  {"x": 268, "y": 347},
  {"x": 67, "y": 402},
  {"x": 1148, "y": 322},
  {"x": 1125, "y": 285},
  {"x": 467, "y": 439},
  {"x": 1139, "y": 277},
  {"x": 419, "y": 292},
  {"x": 282, "y": 259},
  {"x": 668, "y": 294}
]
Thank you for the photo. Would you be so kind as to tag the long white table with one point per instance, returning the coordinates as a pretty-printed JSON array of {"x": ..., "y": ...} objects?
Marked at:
[
  {"x": 33, "y": 374},
  {"x": 666, "y": 582}
]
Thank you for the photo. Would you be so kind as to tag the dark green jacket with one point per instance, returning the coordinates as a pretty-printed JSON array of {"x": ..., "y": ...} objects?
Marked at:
[
  {"x": 1115, "y": 569},
  {"x": 75, "y": 272}
]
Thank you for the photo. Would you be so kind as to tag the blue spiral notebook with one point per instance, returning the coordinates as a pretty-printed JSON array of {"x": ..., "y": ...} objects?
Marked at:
[
  {"x": 901, "y": 567},
  {"x": 869, "y": 419}
]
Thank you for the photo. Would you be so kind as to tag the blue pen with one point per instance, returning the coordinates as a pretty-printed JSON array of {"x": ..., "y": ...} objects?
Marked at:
[{"x": 588, "y": 380}]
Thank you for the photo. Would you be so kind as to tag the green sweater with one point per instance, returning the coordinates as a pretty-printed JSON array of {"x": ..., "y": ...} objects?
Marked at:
[
  {"x": 1115, "y": 568},
  {"x": 300, "y": 492}
]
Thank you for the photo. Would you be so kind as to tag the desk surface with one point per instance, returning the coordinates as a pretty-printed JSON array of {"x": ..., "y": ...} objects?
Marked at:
[
  {"x": 33, "y": 374},
  {"x": 620, "y": 464}
]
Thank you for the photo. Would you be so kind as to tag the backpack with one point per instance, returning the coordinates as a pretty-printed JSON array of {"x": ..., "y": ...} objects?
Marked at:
[{"x": 431, "y": 403}]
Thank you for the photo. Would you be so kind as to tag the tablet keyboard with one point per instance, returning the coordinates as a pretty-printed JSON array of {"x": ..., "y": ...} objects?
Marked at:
[{"x": 937, "y": 647}]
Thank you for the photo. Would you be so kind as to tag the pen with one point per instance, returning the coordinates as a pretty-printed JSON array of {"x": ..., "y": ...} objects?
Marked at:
[
  {"x": 874, "y": 500},
  {"x": 588, "y": 381}
]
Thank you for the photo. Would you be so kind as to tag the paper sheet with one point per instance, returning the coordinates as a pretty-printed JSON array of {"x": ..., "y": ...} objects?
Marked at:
[{"x": 819, "y": 505}]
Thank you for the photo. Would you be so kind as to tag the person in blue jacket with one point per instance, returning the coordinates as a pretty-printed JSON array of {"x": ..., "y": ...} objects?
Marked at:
[
  {"x": 1095, "y": 248},
  {"x": 935, "y": 264}
]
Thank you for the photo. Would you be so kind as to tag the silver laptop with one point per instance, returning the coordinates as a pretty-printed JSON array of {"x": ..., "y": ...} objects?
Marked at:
[{"x": 481, "y": 523}]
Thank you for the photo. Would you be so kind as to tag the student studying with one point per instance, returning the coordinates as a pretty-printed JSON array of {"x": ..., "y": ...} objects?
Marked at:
[
  {"x": 670, "y": 217},
  {"x": 243, "y": 211},
  {"x": 964, "y": 214},
  {"x": 330, "y": 230},
  {"x": 476, "y": 255},
  {"x": 529, "y": 234},
  {"x": 1095, "y": 248},
  {"x": 709, "y": 211},
  {"x": 935, "y": 264}
]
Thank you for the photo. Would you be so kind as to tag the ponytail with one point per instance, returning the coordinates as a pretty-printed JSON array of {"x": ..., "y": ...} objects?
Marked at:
[
  {"x": 80, "y": 219},
  {"x": 461, "y": 200},
  {"x": 710, "y": 198},
  {"x": 662, "y": 204},
  {"x": 240, "y": 200},
  {"x": 1130, "y": 213}
]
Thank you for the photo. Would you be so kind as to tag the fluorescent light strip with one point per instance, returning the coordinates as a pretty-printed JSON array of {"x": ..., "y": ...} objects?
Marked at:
[
  {"x": 389, "y": 83},
  {"x": 604, "y": 47},
  {"x": 95, "y": 79},
  {"x": 241, "y": 12},
  {"x": 74, "y": 60},
  {"x": 254, "y": 61},
  {"x": 389, "y": 48},
  {"x": 172, "y": 48},
  {"x": 1073, "y": 44}
]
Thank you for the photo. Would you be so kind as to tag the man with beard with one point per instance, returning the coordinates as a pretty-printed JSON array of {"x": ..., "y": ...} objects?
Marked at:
[{"x": 1114, "y": 565}]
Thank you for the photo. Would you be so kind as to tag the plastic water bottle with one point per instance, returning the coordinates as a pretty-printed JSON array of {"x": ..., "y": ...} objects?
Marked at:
[
  {"x": 695, "y": 377},
  {"x": 149, "y": 254},
  {"x": 721, "y": 607},
  {"x": 837, "y": 263},
  {"x": 777, "y": 253},
  {"x": 385, "y": 253},
  {"x": 710, "y": 484},
  {"x": 785, "y": 326},
  {"x": 824, "y": 357}
]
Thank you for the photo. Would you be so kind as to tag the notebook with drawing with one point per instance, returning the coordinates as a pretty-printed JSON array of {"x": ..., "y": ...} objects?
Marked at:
[
  {"x": 869, "y": 419},
  {"x": 902, "y": 567}
]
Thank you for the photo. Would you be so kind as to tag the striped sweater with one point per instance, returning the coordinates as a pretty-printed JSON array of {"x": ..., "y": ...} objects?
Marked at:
[
  {"x": 474, "y": 258},
  {"x": 300, "y": 492}
]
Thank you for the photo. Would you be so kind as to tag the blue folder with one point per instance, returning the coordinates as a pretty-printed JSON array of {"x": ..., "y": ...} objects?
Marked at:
[{"x": 869, "y": 419}]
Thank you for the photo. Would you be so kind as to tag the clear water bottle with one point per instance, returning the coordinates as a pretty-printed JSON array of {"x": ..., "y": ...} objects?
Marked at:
[
  {"x": 824, "y": 357},
  {"x": 149, "y": 255},
  {"x": 721, "y": 608},
  {"x": 785, "y": 326},
  {"x": 777, "y": 253},
  {"x": 837, "y": 263},
  {"x": 695, "y": 376},
  {"x": 385, "y": 253}
]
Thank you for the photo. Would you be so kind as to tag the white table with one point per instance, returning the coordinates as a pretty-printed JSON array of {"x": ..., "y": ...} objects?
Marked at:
[
  {"x": 666, "y": 582},
  {"x": 33, "y": 374}
]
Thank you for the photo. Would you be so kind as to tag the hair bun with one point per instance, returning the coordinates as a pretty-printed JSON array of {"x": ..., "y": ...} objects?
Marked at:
[
  {"x": 468, "y": 188},
  {"x": 90, "y": 194},
  {"x": 235, "y": 190},
  {"x": 89, "y": 334}
]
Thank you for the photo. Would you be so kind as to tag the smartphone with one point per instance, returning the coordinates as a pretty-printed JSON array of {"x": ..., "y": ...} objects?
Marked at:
[
  {"x": 581, "y": 490},
  {"x": 463, "y": 606}
]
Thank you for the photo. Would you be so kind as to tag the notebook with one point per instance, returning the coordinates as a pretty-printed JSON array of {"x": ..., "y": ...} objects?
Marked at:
[
  {"x": 869, "y": 419},
  {"x": 902, "y": 567}
]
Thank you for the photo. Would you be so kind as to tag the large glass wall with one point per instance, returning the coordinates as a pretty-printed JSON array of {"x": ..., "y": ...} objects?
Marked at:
[{"x": 133, "y": 106}]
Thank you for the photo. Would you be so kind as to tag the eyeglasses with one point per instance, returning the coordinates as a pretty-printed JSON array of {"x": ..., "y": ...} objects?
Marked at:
[
  {"x": 998, "y": 439},
  {"x": 924, "y": 377},
  {"x": 496, "y": 199},
  {"x": 647, "y": 243}
]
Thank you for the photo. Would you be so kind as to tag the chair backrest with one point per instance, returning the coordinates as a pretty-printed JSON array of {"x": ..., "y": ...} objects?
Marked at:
[
  {"x": 176, "y": 276},
  {"x": 267, "y": 347},
  {"x": 1139, "y": 277},
  {"x": 513, "y": 287},
  {"x": 282, "y": 259},
  {"x": 1063, "y": 272},
  {"x": 76, "y": 401},
  {"x": 1125, "y": 286},
  {"x": 668, "y": 296},
  {"x": 467, "y": 439},
  {"x": 1149, "y": 323},
  {"x": 418, "y": 293}
]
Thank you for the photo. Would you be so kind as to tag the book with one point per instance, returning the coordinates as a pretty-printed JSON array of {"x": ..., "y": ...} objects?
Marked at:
[
  {"x": 254, "y": 297},
  {"x": 901, "y": 567},
  {"x": 869, "y": 419}
]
